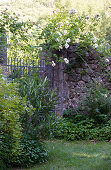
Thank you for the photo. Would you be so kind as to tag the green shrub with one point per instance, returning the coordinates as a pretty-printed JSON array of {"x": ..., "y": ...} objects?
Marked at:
[
  {"x": 77, "y": 126},
  {"x": 84, "y": 130},
  {"x": 41, "y": 104},
  {"x": 30, "y": 152},
  {"x": 74, "y": 131},
  {"x": 98, "y": 104},
  {"x": 10, "y": 127},
  {"x": 17, "y": 148},
  {"x": 74, "y": 115}
]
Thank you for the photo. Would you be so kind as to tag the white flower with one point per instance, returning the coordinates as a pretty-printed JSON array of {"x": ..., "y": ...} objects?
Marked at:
[
  {"x": 72, "y": 11},
  {"x": 66, "y": 45},
  {"x": 60, "y": 47},
  {"x": 67, "y": 22},
  {"x": 60, "y": 24},
  {"x": 94, "y": 39},
  {"x": 107, "y": 60},
  {"x": 53, "y": 64},
  {"x": 40, "y": 48},
  {"x": 105, "y": 95},
  {"x": 59, "y": 34},
  {"x": 100, "y": 80},
  {"x": 65, "y": 32},
  {"x": 66, "y": 60},
  {"x": 57, "y": 39},
  {"x": 95, "y": 45},
  {"x": 68, "y": 40}
]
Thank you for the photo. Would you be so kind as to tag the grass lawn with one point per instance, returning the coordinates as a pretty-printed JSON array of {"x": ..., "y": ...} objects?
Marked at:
[{"x": 77, "y": 156}]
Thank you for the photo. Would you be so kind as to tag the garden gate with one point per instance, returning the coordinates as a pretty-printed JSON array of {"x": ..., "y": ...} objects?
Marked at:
[{"x": 17, "y": 69}]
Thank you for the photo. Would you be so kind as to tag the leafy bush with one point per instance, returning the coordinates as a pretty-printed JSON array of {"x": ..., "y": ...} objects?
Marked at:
[
  {"x": 84, "y": 130},
  {"x": 78, "y": 126},
  {"x": 17, "y": 148},
  {"x": 10, "y": 126},
  {"x": 98, "y": 104},
  {"x": 73, "y": 131},
  {"x": 101, "y": 133},
  {"x": 41, "y": 104},
  {"x": 74, "y": 115},
  {"x": 30, "y": 152}
]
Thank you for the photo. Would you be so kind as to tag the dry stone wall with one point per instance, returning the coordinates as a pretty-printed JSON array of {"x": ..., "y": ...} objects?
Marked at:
[{"x": 72, "y": 80}]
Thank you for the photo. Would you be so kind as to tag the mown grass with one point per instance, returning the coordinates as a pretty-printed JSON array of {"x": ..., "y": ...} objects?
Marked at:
[{"x": 77, "y": 156}]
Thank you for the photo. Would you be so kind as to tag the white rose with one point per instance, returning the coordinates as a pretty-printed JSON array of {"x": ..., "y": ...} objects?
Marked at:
[
  {"x": 66, "y": 60},
  {"x": 68, "y": 40},
  {"x": 107, "y": 60},
  {"x": 60, "y": 47},
  {"x": 67, "y": 22},
  {"x": 66, "y": 45},
  {"x": 61, "y": 24},
  {"x": 65, "y": 32},
  {"x": 53, "y": 64},
  {"x": 96, "y": 45},
  {"x": 40, "y": 48},
  {"x": 57, "y": 39},
  {"x": 94, "y": 40},
  {"x": 105, "y": 95},
  {"x": 59, "y": 34},
  {"x": 72, "y": 11}
]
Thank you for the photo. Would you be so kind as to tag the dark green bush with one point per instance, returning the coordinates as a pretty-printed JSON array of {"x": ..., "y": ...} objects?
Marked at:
[
  {"x": 74, "y": 115},
  {"x": 73, "y": 131},
  {"x": 30, "y": 152},
  {"x": 98, "y": 104},
  {"x": 103, "y": 133},
  {"x": 77, "y": 126},
  {"x": 84, "y": 130}
]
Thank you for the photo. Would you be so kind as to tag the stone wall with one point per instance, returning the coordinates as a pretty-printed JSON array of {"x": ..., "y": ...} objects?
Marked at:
[{"x": 71, "y": 80}]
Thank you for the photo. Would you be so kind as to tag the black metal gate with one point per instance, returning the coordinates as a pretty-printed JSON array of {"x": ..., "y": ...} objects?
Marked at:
[{"x": 18, "y": 69}]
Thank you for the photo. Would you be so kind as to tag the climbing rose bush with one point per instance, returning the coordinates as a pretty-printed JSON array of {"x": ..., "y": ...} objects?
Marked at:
[{"x": 66, "y": 27}]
